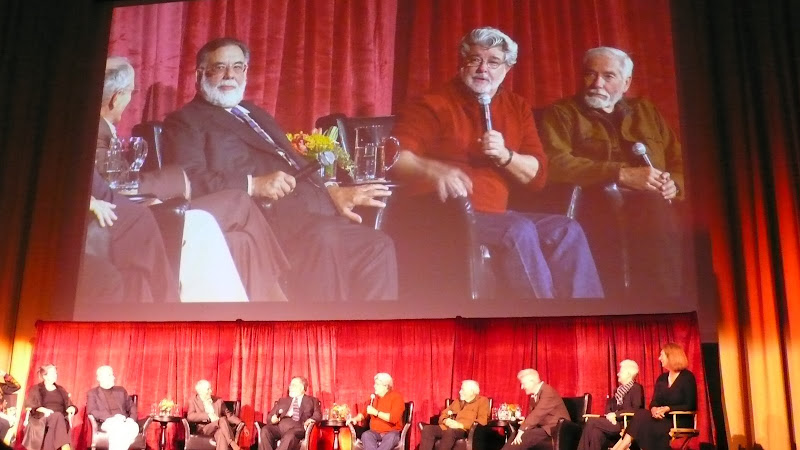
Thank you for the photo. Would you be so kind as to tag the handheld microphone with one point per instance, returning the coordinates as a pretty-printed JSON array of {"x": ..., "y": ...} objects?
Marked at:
[
  {"x": 639, "y": 149},
  {"x": 371, "y": 399},
  {"x": 324, "y": 159},
  {"x": 485, "y": 100}
]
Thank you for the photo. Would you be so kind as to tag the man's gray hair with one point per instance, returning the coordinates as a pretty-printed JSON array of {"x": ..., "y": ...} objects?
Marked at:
[
  {"x": 200, "y": 383},
  {"x": 385, "y": 379},
  {"x": 631, "y": 366},
  {"x": 102, "y": 369},
  {"x": 472, "y": 385},
  {"x": 625, "y": 61},
  {"x": 527, "y": 373},
  {"x": 490, "y": 37},
  {"x": 119, "y": 75}
]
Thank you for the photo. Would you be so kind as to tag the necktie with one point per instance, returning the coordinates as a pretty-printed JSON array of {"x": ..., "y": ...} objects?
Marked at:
[
  {"x": 295, "y": 409},
  {"x": 236, "y": 111}
]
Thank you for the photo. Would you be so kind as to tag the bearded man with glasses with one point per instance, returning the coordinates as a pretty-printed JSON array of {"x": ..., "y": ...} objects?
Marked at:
[{"x": 450, "y": 149}]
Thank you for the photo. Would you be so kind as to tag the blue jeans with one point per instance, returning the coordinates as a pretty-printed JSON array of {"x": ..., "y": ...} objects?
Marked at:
[
  {"x": 540, "y": 255},
  {"x": 373, "y": 440}
]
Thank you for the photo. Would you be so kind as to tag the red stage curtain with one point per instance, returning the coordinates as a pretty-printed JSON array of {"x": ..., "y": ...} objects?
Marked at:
[
  {"x": 427, "y": 358},
  {"x": 365, "y": 57}
]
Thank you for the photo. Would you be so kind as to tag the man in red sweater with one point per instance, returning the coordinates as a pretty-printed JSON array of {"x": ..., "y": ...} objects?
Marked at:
[
  {"x": 384, "y": 415},
  {"x": 449, "y": 149}
]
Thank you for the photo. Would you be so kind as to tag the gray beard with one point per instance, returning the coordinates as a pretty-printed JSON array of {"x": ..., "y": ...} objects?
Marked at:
[
  {"x": 213, "y": 95},
  {"x": 599, "y": 103}
]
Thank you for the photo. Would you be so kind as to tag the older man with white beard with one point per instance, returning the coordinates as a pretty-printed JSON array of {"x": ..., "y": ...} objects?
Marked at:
[
  {"x": 448, "y": 149},
  {"x": 113, "y": 409},
  {"x": 589, "y": 139},
  {"x": 224, "y": 142}
]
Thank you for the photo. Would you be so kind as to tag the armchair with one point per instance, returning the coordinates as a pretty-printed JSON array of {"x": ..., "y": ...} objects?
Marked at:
[
  {"x": 196, "y": 441},
  {"x": 100, "y": 437},
  {"x": 405, "y": 435}
]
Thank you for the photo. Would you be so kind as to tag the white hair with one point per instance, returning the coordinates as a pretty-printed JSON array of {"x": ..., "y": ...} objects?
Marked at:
[
  {"x": 625, "y": 61},
  {"x": 102, "y": 369},
  {"x": 527, "y": 373},
  {"x": 630, "y": 365},
  {"x": 490, "y": 37},
  {"x": 384, "y": 379},
  {"x": 203, "y": 383},
  {"x": 119, "y": 75},
  {"x": 471, "y": 385}
]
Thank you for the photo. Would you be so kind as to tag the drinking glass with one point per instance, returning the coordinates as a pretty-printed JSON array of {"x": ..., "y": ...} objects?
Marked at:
[
  {"x": 114, "y": 167},
  {"x": 134, "y": 151},
  {"x": 366, "y": 154}
]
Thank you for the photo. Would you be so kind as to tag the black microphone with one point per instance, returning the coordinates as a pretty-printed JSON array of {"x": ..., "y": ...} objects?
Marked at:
[
  {"x": 324, "y": 158},
  {"x": 640, "y": 150},
  {"x": 485, "y": 100}
]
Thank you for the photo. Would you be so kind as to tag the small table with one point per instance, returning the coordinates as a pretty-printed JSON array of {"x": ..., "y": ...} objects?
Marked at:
[
  {"x": 335, "y": 425},
  {"x": 163, "y": 421}
]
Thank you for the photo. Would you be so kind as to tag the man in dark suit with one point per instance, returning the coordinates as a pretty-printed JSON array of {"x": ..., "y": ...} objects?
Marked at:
[
  {"x": 628, "y": 398},
  {"x": 204, "y": 407},
  {"x": 290, "y": 417},
  {"x": 548, "y": 408},
  {"x": 225, "y": 143},
  {"x": 8, "y": 385},
  {"x": 113, "y": 409}
]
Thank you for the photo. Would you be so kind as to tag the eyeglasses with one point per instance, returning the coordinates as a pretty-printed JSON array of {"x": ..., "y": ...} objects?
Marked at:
[
  {"x": 220, "y": 68},
  {"x": 476, "y": 61}
]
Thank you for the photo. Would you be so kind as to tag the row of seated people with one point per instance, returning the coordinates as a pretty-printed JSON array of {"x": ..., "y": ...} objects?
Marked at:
[
  {"x": 386, "y": 414},
  {"x": 223, "y": 142}
]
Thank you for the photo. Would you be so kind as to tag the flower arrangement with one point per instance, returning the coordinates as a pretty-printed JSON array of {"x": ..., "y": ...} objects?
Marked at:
[
  {"x": 339, "y": 412},
  {"x": 509, "y": 411},
  {"x": 165, "y": 407},
  {"x": 311, "y": 145}
]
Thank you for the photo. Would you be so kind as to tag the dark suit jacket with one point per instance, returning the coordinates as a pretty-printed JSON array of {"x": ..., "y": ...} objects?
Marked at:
[
  {"x": 197, "y": 412},
  {"x": 8, "y": 385},
  {"x": 546, "y": 411},
  {"x": 309, "y": 409},
  {"x": 97, "y": 404},
  {"x": 218, "y": 151},
  {"x": 633, "y": 400}
]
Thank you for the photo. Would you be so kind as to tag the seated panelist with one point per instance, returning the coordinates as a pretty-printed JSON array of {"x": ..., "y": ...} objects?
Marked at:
[
  {"x": 203, "y": 407},
  {"x": 290, "y": 417},
  {"x": 113, "y": 409},
  {"x": 456, "y": 419},
  {"x": 548, "y": 408},
  {"x": 223, "y": 142},
  {"x": 385, "y": 412},
  {"x": 628, "y": 398},
  {"x": 50, "y": 410}
]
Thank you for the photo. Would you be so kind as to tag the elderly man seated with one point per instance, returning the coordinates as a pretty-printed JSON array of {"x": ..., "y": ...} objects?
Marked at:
[
  {"x": 447, "y": 149},
  {"x": 599, "y": 137},
  {"x": 456, "y": 419},
  {"x": 204, "y": 407},
  {"x": 290, "y": 417},
  {"x": 113, "y": 409}
]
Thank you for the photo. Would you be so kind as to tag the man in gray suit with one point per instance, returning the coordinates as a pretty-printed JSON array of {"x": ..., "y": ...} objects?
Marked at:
[
  {"x": 541, "y": 420},
  {"x": 223, "y": 142}
]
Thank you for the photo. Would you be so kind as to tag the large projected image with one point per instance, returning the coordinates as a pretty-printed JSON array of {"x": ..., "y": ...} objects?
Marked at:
[{"x": 346, "y": 169}]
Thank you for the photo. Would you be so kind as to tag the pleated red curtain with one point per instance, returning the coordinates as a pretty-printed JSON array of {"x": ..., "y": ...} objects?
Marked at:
[
  {"x": 366, "y": 57},
  {"x": 253, "y": 361}
]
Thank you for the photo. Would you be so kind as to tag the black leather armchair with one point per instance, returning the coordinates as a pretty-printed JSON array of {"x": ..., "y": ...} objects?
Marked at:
[
  {"x": 196, "y": 441},
  {"x": 100, "y": 437},
  {"x": 405, "y": 435}
]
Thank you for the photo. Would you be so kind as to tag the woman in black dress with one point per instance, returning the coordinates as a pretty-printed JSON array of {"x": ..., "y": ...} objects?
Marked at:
[
  {"x": 50, "y": 406},
  {"x": 675, "y": 390}
]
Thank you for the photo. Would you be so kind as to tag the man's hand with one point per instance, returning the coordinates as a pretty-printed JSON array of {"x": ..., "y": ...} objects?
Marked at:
[
  {"x": 308, "y": 423},
  {"x": 612, "y": 418},
  {"x": 103, "y": 210},
  {"x": 274, "y": 419},
  {"x": 452, "y": 423},
  {"x": 347, "y": 198},
  {"x": 45, "y": 411},
  {"x": 274, "y": 186},
  {"x": 494, "y": 146},
  {"x": 450, "y": 181},
  {"x": 641, "y": 178},
  {"x": 353, "y": 420},
  {"x": 668, "y": 187},
  {"x": 372, "y": 411},
  {"x": 518, "y": 438}
]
